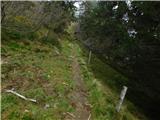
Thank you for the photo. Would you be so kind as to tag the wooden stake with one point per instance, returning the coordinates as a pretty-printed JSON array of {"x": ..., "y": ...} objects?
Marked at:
[
  {"x": 89, "y": 58},
  {"x": 122, "y": 95},
  {"x": 89, "y": 117}
]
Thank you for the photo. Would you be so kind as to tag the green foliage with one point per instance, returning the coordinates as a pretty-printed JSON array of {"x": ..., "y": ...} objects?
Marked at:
[
  {"x": 44, "y": 71},
  {"x": 17, "y": 35},
  {"x": 102, "y": 82},
  {"x": 27, "y": 19},
  {"x": 39, "y": 71},
  {"x": 27, "y": 117},
  {"x": 7, "y": 101},
  {"x": 37, "y": 94},
  {"x": 127, "y": 38},
  {"x": 45, "y": 74},
  {"x": 32, "y": 36}
]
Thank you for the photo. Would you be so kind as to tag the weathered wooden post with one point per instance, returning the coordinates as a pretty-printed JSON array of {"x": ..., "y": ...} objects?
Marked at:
[
  {"x": 89, "y": 57},
  {"x": 122, "y": 95}
]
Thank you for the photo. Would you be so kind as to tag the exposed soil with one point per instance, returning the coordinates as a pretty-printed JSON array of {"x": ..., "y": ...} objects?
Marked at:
[{"x": 78, "y": 96}]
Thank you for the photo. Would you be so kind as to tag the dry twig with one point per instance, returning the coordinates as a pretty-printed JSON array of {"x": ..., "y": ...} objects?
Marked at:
[{"x": 21, "y": 96}]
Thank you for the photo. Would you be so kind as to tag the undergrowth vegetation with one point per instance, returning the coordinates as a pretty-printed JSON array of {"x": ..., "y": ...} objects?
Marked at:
[
  {"x": 37, "y": 71},
  {"x": 44, "y": 72},
  {"x": 102, "y": 83},
  {"x": 45, "y": 49}
]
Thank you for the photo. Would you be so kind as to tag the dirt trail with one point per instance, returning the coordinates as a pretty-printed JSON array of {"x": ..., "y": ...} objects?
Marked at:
[{"x": 78, "y": 96}]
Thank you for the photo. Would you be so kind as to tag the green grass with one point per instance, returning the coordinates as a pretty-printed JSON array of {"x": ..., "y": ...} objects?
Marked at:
[
  {"x": 44, "y": 72},
  {"x": 104, "y": 85},
  {"x": 37, "y": 71}
]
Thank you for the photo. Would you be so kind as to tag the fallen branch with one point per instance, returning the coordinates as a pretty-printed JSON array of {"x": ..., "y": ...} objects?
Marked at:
[
  {"x": 71, "y": 114},
  {"x": 21, "y": 96}
]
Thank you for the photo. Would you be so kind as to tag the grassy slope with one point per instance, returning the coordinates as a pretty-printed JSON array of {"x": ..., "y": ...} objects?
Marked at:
[
  {"x": 37, "y": 71},
  {"x": 43, "y": 72}
]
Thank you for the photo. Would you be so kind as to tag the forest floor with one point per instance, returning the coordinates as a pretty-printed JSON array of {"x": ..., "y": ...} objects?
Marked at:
[{"x": 65, "y": 86}]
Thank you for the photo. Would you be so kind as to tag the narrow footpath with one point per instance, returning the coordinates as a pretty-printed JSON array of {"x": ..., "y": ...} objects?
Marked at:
[{"x": 78, "y": 96}]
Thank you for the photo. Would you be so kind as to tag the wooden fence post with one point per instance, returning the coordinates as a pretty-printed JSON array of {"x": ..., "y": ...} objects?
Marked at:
[
  {"x": 122, "y": 95},
  {"x": 89, "y": 57}
]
